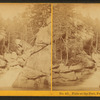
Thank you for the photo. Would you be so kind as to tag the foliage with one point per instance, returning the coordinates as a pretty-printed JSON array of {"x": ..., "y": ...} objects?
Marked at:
[
  {"x": 77, "y": 32},
  {"x": 25, "y": 25}
]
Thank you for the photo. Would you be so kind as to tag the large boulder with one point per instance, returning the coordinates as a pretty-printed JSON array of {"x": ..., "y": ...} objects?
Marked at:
[
  {"x": 36, "y": 73},
  {"x": 68, "y": 76},
  {"x": 77, "y": 67},
  {"x": 41, "y": 60},
  {"x": 29, "y": 78},
  {"x": 75, "y": 70},
  {"x": 2, "y": 63},
  {"x": 64, "y": 68},
  {"x": 11, "y": 59},
  {"x": 22, "y": 46},
  {"x": 96, "y": 58}
]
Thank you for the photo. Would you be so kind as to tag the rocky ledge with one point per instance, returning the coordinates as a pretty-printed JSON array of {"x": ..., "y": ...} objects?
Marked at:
[{"x": 71, "y": 74}]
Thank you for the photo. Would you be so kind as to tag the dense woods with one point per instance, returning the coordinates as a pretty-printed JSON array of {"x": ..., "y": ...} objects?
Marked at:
[
  {"x": 76, "y": 41},
  {"x": 24, "y": 26},
  {"x": 25, "y": 46},
  {"x": 74, "y": 32}
]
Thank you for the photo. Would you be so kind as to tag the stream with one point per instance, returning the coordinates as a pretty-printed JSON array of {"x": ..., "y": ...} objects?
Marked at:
[{"x": 90, "y": 83}]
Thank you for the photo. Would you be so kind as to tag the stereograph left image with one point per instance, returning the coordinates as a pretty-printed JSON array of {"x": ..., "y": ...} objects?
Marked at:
[{"x": 25, "y": 46}]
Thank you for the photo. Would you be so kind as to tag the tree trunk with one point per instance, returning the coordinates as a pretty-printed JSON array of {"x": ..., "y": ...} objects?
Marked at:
[
  {"x": 8, "y": 41},
  {"x": 97, "y": 41},
  {"x": 61, "y": 50},
  {"x": 67, "y": 48}
]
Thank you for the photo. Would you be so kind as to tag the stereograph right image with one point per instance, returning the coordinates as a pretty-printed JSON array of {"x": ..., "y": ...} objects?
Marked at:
[{"x": 76, "y": 47}]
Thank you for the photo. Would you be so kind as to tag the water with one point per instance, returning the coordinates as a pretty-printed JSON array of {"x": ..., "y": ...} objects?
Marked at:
[
  {"x": 90, "y": 82},
  {"x": 8, "y": 77}
]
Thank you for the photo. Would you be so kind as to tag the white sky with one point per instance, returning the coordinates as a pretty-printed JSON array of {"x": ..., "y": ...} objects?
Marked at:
[
  {"x": 89, "y": 9},
  {"x": 9, "y": 10}
]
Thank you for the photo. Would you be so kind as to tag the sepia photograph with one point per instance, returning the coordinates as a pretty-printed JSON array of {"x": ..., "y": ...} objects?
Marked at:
[
  {"x": 25, "y": 46},
  {"x": 76, "y": 47}
]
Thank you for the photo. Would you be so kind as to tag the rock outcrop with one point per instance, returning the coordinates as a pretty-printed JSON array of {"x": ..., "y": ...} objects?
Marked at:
[
  {"x": 36, "y": 72},
  {"x": 71, "y": 74}
]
